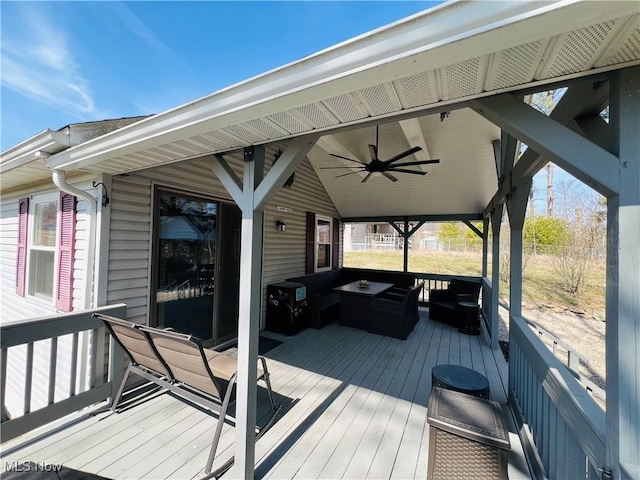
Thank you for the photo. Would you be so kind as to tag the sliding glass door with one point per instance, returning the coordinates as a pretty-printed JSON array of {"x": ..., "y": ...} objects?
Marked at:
[{"x": 186, "y": 263}]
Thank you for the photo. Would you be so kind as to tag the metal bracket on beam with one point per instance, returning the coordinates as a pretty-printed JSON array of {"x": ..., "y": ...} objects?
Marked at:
[{"x": 249, "y": 153}]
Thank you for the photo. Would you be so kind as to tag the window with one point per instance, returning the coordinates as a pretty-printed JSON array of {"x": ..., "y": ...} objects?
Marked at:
[
  {"x": 46, "y": 241},
  {"x": 323, "y": 243},
  {"x": 42, "y": 251}
]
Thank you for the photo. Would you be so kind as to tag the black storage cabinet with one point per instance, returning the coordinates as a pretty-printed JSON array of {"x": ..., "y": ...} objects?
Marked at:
[{"x": 286, "y": 307}]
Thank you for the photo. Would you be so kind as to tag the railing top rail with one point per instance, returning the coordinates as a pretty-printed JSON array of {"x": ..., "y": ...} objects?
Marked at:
[
  {"x": 35, "y": 329},
  {"x": 446, "y": 277}
]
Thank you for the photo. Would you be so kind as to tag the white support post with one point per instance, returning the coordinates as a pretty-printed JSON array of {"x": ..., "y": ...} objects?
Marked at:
[
  {"x": 249, "y": 316},
  {"x": 623, "y": 282}
]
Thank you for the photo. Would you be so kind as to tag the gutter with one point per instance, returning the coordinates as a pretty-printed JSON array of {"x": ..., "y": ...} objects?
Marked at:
[
  {"x": 92, "y": 207},
  {"x": 40, "y": 146}
]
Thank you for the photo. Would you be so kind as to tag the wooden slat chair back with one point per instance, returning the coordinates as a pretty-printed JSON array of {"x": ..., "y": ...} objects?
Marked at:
[{"x": 180, "y": 363}]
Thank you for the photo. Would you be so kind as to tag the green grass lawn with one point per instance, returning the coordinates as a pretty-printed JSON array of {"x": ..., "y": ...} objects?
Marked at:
[{"x": 541, "y": 284}]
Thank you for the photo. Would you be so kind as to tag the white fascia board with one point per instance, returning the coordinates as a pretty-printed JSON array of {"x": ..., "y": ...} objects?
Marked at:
[
  {"x": 35, "y": 148},
  {"x": 449, "y": 33}
]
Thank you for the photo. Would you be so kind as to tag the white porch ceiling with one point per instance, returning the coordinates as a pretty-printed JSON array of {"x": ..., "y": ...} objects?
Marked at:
[{"x": 416, "y": 68}]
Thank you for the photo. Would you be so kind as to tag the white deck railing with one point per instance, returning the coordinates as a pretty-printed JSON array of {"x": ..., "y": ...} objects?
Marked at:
[
  {"x": 85, "y": 382},
  {"x": 560, "y": 422}
]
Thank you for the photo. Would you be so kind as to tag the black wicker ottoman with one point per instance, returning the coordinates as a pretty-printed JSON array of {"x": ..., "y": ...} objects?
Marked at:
[
  {"x": 461, "y": 379},
  {"x": 467, "y": 437},
  {"x": 468, "y": 314}
]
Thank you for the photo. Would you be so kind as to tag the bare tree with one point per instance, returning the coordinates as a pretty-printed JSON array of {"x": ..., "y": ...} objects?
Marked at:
[{"x": 585, "y": 213}]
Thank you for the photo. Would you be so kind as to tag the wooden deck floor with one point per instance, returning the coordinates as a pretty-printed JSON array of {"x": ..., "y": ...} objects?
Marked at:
[{"x": 354, "y": 406}]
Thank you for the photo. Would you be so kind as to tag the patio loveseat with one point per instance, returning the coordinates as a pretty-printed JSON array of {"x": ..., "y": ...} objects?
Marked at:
[{"x": 324, "y": 303}]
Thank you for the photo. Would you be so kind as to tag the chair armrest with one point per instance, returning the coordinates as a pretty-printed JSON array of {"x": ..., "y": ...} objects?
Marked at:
[
  {"x": 441, "y": 296},
  {"x": 397, "y": 296},
  {"x": 466, "y": 297}
]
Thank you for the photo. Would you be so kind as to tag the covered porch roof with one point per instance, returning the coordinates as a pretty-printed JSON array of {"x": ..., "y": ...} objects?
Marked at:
[{"x": 403, "y": 77}]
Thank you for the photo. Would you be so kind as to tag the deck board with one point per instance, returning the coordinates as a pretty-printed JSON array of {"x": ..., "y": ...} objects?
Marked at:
[{"x": 354, "y": 406}]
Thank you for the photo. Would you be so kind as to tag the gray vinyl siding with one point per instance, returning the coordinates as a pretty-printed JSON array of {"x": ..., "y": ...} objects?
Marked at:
[
  {"x": 285, "y": 252},
  {"x": 130, "y": 245},
  {"x": 131, "y": 226}
]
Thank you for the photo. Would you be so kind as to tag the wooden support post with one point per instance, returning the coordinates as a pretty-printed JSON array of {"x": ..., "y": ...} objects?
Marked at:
[
  {"x": 623, "y": 282},
  {"x": 249, "y": 313},
  {"x": 405, "y": 237},
  {"x": 496, "y": 224},
  {"x": 485, "y": 246},
  {"x": 517, "y": 207}
]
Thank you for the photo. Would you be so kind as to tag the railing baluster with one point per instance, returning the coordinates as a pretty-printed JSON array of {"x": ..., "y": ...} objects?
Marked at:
[
  {"x": 74, "y": 365},
  {"x": 53, "y": 361},
  {"x": 3, "y": 380},
  {"x": 93, "y": 359},
  {"x": 28, "y": 378}
]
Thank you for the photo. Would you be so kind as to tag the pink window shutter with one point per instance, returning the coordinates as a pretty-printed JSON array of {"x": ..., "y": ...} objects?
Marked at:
[
  {"x": 21, "y": 259},
  {"x": 66, "y": 243}
]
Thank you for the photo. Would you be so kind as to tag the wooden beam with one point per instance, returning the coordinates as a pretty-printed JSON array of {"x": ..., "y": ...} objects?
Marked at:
[
  {"x": 474, "y": 228},
  {"x": 227, "y": 177},
  {"x": 290, "y": 159},
  {"x": 578, "y": 156},
  {"x": 454, "y": 217},
  {"x": 623, "y": 282},
  {"x": 413, "y": 132}
]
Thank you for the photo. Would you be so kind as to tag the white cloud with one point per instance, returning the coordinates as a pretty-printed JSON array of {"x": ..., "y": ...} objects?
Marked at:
[
  {"x": 136, "y": 26},
  {"x": 40, "y": 66}
]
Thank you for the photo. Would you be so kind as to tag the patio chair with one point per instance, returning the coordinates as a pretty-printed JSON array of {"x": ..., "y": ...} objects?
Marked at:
[
  {"x": 179, "y": 363},
  {"x": 394, "y": 314},
  {"x": 442, "y": 303}
]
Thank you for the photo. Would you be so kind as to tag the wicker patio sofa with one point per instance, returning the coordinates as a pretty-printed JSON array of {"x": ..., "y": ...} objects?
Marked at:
[
  {"x": 323, "y": 302},
  {"x": 179, "y": 363}
]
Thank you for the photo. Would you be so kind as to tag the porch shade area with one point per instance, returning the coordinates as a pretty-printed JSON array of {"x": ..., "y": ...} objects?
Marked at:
[{"x": 354, "y": 406}]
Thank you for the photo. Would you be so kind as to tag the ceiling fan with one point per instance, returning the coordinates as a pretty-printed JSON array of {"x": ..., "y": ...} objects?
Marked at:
[{"x": 384, "y": 166}]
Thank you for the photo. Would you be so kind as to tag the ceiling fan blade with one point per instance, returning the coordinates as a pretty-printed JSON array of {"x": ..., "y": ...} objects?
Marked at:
[
  {"x": 345, "y": 158},
  {"x": 420, "y": 162},
  {"x": 400, "y": 156},
  {"x": 373, "y": 151},
  {"x": 329, "y": 168},
  {"x": 404, "y": 170},
  {"x": 366, "y": 178},
  {"x": 390, "y": 177},
  {"x": 345, "y": 174}
]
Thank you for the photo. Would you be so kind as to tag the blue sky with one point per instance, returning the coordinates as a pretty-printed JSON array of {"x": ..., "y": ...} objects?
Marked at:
[{"x": 70, "y": 62}]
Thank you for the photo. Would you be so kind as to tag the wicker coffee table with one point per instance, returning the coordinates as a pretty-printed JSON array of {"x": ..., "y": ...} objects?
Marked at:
[
  {"x": 468, "y": 437},
  {"x": 460, "y": 379}
]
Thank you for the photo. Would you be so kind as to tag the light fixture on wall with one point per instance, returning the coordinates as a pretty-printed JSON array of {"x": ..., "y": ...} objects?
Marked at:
[
  {"x": 281, "y": 226},
  {"x": 105, "y": 196}
]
